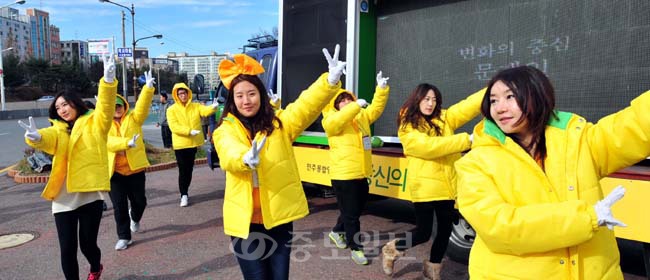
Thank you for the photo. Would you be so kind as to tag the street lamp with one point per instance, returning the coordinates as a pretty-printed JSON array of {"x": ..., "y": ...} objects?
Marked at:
[
  {"x": 2, "y": 75},
  {"x": 132, "y": 10},
  {"x": 135, "y": 77}
]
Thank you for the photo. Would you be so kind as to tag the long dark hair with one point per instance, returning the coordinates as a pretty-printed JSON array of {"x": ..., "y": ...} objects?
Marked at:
[
  {"x": 263, "y": 120},
  {"x": 73, "y": 100},
  {"x": 410, "y": 113},
  {"x": 536, "y": 99}
]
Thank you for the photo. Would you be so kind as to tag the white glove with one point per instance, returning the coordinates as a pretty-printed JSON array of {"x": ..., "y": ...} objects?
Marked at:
[
  {"x": 214, "y": 105},
  {"x": 274, "y": 97},
  {"x": 362, "y": 103},
  {"x": 336, "y": 67},
  {"x": 381, "y": 81},
  {"x": 252, "y": 157},
  {"x": 604, "y": 208},
  {"x": 109, "y": 68},
  {"x": 194, "y": 132},
  {"x": 132, "y": 142},
  {"x": 31, "y": 132},
  {"x": 150, "y": 80}
]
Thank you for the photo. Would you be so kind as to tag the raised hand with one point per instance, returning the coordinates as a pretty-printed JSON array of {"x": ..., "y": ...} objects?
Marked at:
[
  {"x": 604, "y": 208},
  {"x": 31, "y": 132},
  {"x": 362, "y": 103},
  {"x": 274, "y": 97},
  {"x": 109, "y": 68},
  {"x": 132, "y": 142},
  {"x": 150, "y": 80},
  {"x": 336, "y": 67},
  {"x": 252, "y": 157},
  {"x": 382, "y": 81}
]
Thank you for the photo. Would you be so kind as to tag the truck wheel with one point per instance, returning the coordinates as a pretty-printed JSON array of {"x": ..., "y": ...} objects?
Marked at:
[{"x": 460, "y": 241}]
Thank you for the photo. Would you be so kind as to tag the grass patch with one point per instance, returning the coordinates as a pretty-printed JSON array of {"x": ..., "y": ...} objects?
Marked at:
[
  {"x": 159, "y": 155},
  {"x": 25, "y": 169}
]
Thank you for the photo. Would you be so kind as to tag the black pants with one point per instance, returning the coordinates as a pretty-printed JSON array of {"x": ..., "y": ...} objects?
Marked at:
[
  {"x": 351, "y": 196},
  {"x": 87, "y": 218},
  {"x": 185, "y": 159},
  {"x": 204, "y": 127},
  {"x": 166, "y": 136},
  {"x": 445, "y": 215},
  {"x": 265, "y": 254},
  {"x": 125, "y": 189}
]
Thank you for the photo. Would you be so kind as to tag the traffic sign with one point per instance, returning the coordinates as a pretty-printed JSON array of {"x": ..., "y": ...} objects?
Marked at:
[{"x": 124, "y": 52}]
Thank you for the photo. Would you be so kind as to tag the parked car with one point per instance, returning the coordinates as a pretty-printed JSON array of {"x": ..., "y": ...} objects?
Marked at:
[{"x": 46, "y": 98}]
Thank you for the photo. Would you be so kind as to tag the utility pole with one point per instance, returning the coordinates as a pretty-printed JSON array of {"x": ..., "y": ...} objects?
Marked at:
[
  {"x": 125, "y": 91},
  {"x": 159, "y": 84},
  {"x": 135, "y": 77}
]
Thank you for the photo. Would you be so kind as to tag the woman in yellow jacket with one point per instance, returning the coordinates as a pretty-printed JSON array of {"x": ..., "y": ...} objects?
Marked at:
[
  {"x": 347, "y": 125},
  {"x": 184, "y": 119},
  {"x": 431, "y": 147},
  {"x": 530, "y": 185},
  {"x": 264, "y": 194},
  {"x": 79, "y": 177},
  {"x": 127, "y": 160}
]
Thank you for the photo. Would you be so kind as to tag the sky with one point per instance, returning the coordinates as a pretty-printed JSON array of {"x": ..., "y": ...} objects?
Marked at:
[{"x": 192, "y": 26}]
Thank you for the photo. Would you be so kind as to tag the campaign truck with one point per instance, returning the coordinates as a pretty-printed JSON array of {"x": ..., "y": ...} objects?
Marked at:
[{"x": 595, "y": 53}]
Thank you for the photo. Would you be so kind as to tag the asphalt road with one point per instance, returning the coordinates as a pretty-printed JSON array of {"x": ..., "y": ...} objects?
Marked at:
[{"x": 12, "y": 148}]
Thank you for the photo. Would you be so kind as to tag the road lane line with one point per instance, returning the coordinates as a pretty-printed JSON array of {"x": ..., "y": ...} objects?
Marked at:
[{"x": 5, "y": 170}]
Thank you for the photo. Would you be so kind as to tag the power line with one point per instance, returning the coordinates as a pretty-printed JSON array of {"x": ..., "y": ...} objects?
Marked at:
[{"x": 169, "y": 38}]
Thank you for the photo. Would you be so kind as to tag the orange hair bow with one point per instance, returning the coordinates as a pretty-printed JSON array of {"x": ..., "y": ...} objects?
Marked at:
[{"x": 242, "y": 64}]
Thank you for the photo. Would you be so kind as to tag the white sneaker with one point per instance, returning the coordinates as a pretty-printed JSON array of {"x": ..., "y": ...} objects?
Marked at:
[
  {"x": 135, "y": 227},
  {"x": 122, "y": 244},
  {"x": 184, "y": 201}
]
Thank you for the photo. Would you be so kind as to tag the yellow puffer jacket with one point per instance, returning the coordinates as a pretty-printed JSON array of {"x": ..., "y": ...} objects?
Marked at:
[
  {"x": 131, "y": 124},
  {"x": 80, "y": 157},
  {"x": 345, "y": 131},
  {"x": 282, "y": 198},
  {"x": 431, "y": 157},
  {"x": 183, "y": 118},
  {"x": 541, "y": 224}
]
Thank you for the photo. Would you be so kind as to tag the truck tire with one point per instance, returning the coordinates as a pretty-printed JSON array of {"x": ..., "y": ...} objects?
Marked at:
[{"x": 461, "y": 240}]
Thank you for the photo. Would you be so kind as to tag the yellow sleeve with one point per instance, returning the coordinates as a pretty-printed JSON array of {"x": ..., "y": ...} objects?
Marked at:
[
  {"x": 143, "y": 106},
  {"x": 48, "y": 142},
  {"x": 297, "y": 116},
  {"x": 465, "y": 110},
  {"x": 621, "y": 139},
  {"x": 207, "y": 110},
  {"x": 378, "y": 104},
  {"x": 418, "y": 144},
  {"x": 174, "y": 123},
  {"x": 334, "y": 121},
  {"x": 116, "y": 143},
  {"x": 229, "y": 147},
  {"x": 518, "y": 230},
  {"x": 105, "y": 107}
]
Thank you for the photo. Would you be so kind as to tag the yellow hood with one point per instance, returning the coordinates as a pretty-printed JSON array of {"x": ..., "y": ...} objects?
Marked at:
[
  {"x": 126, "y": 105},
  {"x": 175, "y": 93},
  {"x": 330, "y": 105}
]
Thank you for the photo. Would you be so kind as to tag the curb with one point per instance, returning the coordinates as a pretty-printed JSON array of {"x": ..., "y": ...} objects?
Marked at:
[{"x": 39, "y": 179}]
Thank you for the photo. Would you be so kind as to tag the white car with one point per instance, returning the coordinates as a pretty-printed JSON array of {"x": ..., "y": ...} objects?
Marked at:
[{"x": 46, "y": 98}]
